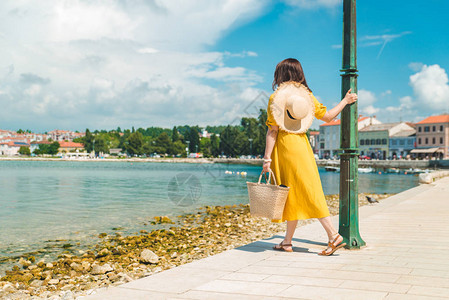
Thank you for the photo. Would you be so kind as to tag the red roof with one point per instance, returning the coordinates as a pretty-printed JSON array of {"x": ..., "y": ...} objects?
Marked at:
[
  {"x": 70, "y": 145},
  {"x": 337, "y": 122},
  {"x": 314, "y": 132},
  {"x": 435, "y": 119}
]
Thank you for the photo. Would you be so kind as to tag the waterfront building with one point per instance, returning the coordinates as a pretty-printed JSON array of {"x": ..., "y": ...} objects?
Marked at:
[
  {"x": 11, "y": 148},
  {"x": 402, "y": 143},
  {"x": 314, "y": 141},
  {"x": 374, "y": 140},
  {"x": 66, "y": 147},
  {"x": 432, "y": 137},
  {"x": 329, "y": 136}
]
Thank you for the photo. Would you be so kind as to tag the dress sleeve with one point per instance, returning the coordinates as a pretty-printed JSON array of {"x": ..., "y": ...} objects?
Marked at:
[
  {"x": 270, "y": 119},
  {"x": 320, "y": 109}
]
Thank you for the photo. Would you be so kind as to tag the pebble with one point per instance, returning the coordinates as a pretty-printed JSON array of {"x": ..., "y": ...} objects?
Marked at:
[
  {"x": 98, "y": 270},
  {"x": 148, "y": 256}
]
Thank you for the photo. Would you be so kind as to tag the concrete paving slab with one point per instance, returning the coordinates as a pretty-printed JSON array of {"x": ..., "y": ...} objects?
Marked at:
[
  {"x": 309, "y": 292},
  {"x": 244, "y": 287}
]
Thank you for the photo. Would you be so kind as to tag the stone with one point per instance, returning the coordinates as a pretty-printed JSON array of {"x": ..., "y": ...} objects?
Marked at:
[
  {"x": 8, "y": 288},
  {"x": 49, "y": 265},
  {"x": 99, "y": 270},
  {"x": 85, "y": 265},
  {"x": 25, "y": 263},
  {"x": 36, "y": 283},
  {"x": 53, "y": 281},
  {"x": 148, "y": 256},
  {"x": 103, "y": 252},
  {"x": 67, "y": 287},
  {"x": 27, "y": 277},
  {"x": 76, "y": 267},
  {"x": 68, "y": 295}
]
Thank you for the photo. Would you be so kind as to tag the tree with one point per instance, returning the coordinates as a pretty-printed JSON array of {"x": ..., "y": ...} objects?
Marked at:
[
  {"x": 88, "y": 141},
  {"x": 101, "y": 145},
  {"x": 214, "y": 145},
  {"x": 194, "y": 138},
  {"x": 179, "y": 148},
  {"x": 24, "y": 150},
  {"x": 227, "y": 138},
  {"x": 205, "y": 147},
  {"x": 53, "y": 148},
  {"x": 174, "y": 135},
  {"x": 119, "y": 129},
  {"x": 260, "y": 138},
  {"x": 135, "y": 144},
  {"x": 163, "y": 144}
]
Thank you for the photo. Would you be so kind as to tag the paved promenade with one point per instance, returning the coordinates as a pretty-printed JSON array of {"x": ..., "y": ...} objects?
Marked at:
[{"x": 406, "y": 257}]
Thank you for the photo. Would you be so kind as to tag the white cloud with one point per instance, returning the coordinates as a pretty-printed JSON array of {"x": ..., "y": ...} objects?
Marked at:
[
  {"x": 120, "y": 63},
  {"x": 370, "y": 110},
  {"x": 33, "y": 90},
  {"x": 382, "y": 39},
  {"x": 147, "y": 50},
  {"x": 430, "y": 86},
  {"x": 366, "y": 98},
  {"x": 386, "y": 93},
  {"x": 415, "y": 66}
]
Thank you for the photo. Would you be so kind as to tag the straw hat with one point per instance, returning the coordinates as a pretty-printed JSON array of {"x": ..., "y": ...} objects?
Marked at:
[{"x": 292, "y": 107}]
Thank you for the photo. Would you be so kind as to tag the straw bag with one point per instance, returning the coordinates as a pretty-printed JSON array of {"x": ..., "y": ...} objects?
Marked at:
[{"x": 265, "y": 199}]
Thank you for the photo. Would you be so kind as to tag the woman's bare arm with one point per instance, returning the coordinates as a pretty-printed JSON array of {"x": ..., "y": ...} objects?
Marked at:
[
  {"x": 269, "y": 145},
  {"x": 332, "y": 113}
]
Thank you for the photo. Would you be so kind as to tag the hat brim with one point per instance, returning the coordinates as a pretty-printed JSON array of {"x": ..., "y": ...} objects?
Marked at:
[{"x": 279, "y": 109}]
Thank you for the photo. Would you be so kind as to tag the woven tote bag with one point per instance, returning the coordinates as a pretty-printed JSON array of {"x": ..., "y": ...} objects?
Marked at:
[{"x": 267, "y": 200}]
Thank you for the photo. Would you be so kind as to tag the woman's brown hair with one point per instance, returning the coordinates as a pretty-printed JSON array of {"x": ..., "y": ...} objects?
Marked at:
[{"x": 289, "y": 69}]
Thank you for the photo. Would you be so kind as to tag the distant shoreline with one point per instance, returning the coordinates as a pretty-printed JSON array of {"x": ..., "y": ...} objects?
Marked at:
[{"x": 166, "y": 160}]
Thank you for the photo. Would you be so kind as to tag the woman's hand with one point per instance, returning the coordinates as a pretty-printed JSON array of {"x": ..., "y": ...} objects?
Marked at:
[
  {"x": 350, "y": 98},
  {"x": 266, "y": 166}
]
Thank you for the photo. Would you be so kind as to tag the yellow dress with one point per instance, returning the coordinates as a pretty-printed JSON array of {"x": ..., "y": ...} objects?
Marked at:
[{"x": 293, "y": 165}]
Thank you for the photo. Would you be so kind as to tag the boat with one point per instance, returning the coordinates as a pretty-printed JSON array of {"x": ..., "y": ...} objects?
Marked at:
[
  {"x": 366, "y": 170},
  {"x": 332, "y": 169}
]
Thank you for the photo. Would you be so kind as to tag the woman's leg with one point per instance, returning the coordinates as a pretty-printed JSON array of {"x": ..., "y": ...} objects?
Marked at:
[
  {"x": 326, "y": 222},
  {"x": 291, "y": 227}
]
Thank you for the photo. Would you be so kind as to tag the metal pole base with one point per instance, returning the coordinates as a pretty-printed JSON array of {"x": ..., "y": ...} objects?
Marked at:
[{"x": 349, "y": 201}]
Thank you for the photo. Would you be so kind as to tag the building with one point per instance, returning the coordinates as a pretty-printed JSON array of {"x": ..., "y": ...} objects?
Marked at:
[
  {"x": 374, "y": 140},
  {"x": 314, "y": 141},
  {"x": 402, "y": 143},
  {"x": 64, "y": 135},
  {"x": 11, "y": 148},
  {"x": 66, "y": 147},
  {"x": 432, "y": 137},
  {"x": 329, "y": 136}
]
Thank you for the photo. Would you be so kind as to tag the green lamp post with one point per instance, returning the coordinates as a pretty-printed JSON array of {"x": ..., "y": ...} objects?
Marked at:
[{"x": 349, "y": 202}]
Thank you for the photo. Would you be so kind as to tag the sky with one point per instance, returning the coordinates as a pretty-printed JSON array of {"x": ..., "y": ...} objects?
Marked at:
[{"x": 77, "y": 64}]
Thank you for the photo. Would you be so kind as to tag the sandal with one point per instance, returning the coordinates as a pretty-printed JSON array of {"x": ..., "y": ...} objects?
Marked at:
[
  {"x": 281, "y": 246},
  {"x": 333, "y": 246}
]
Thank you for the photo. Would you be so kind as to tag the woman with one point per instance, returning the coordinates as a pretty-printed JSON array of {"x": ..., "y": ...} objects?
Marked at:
[{"x": 291, "y": 159}]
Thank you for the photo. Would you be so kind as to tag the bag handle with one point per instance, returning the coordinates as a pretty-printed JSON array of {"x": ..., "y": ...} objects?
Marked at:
[{"x": 270, "y": 174}]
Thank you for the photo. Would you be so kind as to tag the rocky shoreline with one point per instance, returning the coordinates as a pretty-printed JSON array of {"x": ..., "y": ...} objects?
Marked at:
[{"x": 118, "y": 259}]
